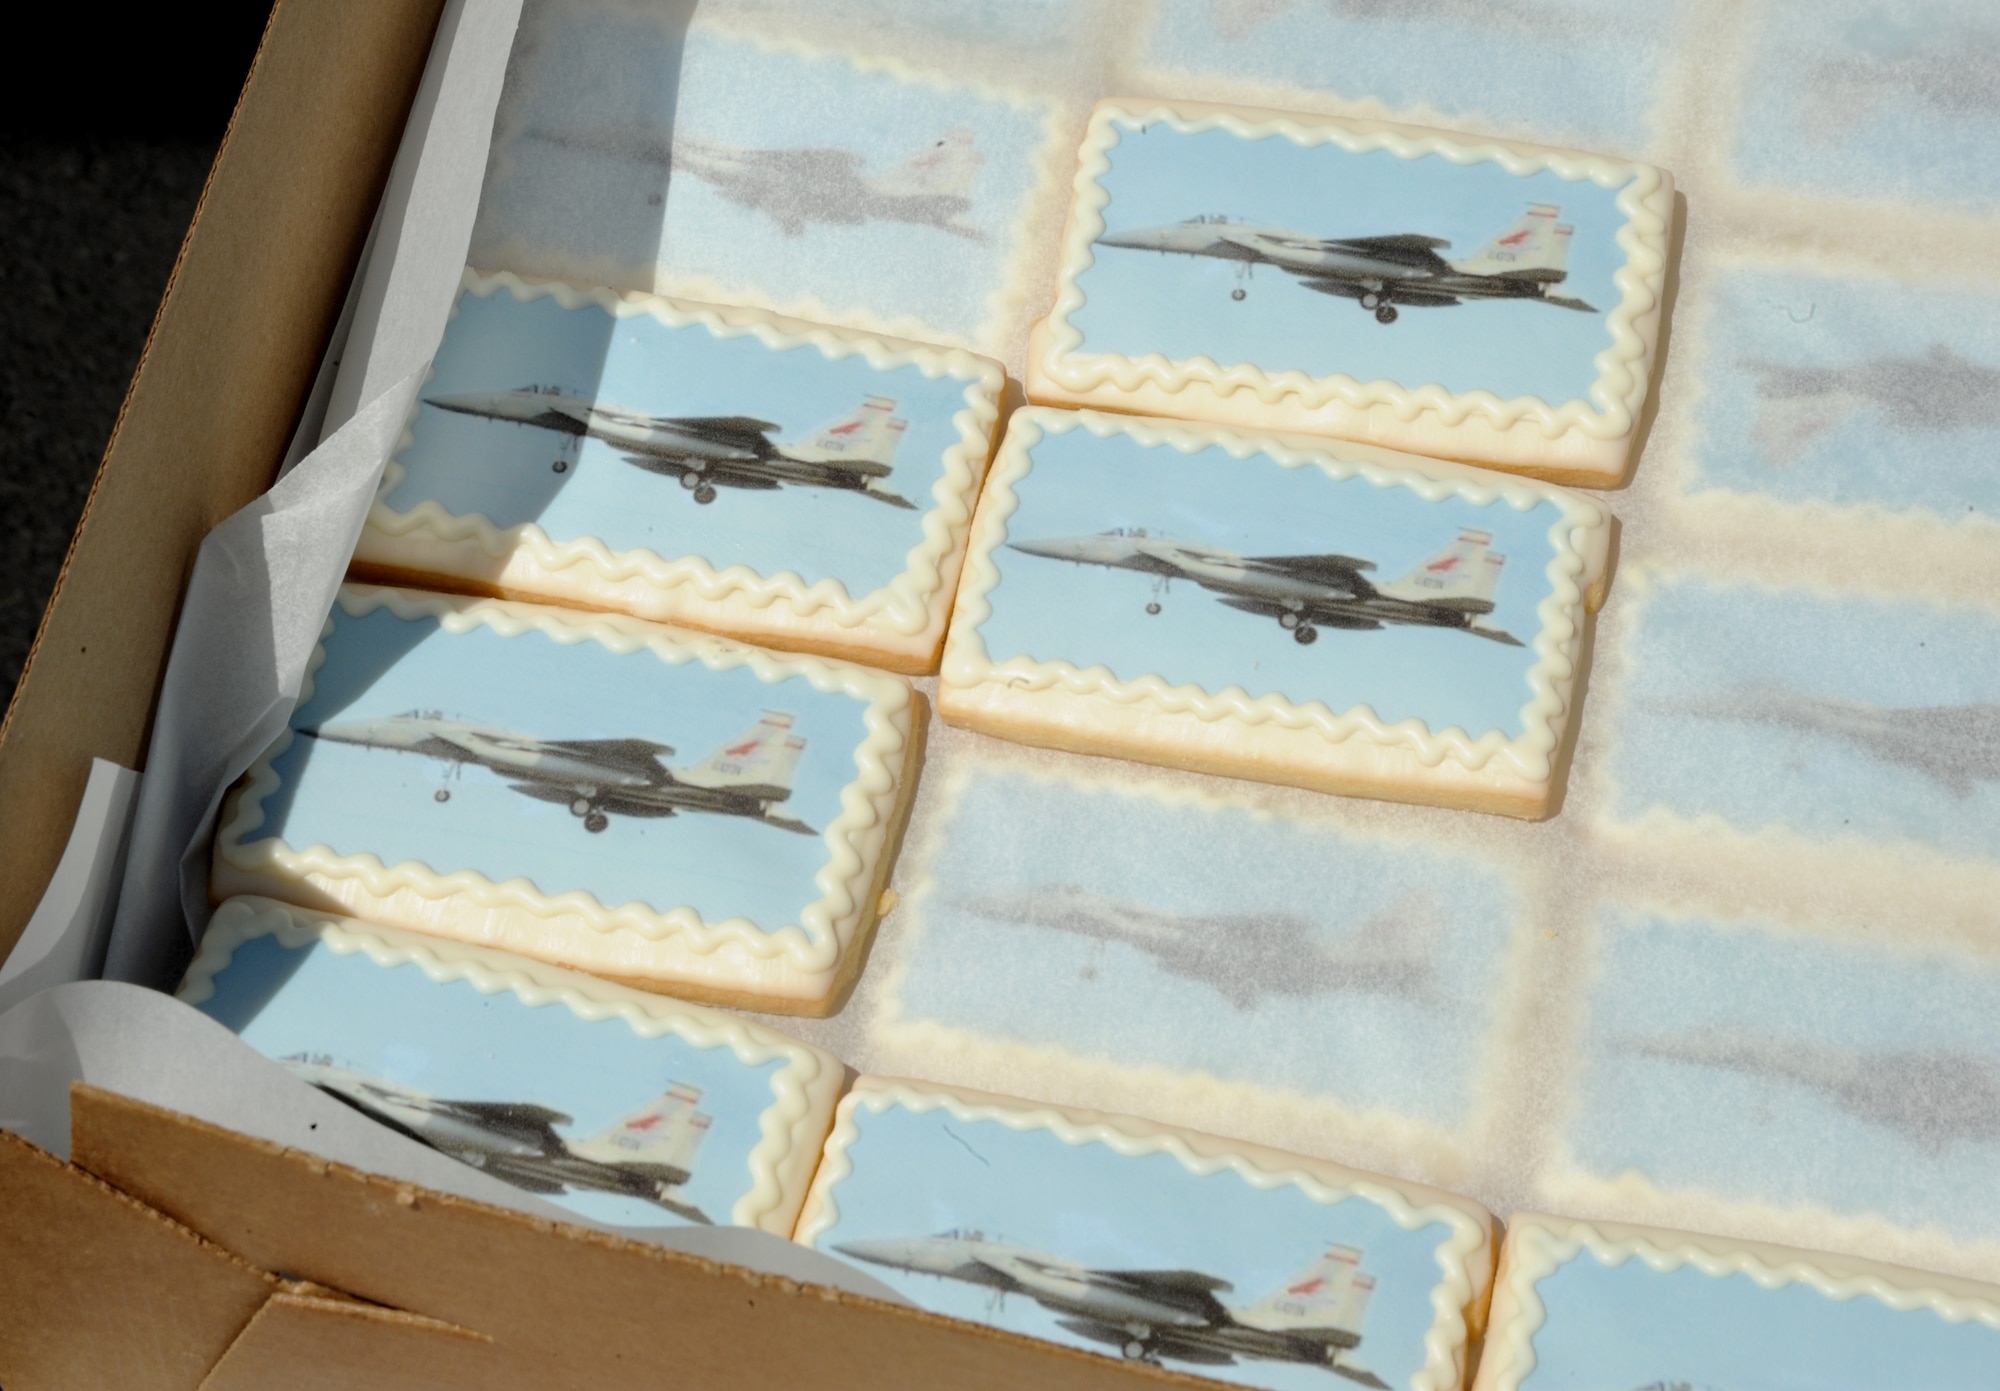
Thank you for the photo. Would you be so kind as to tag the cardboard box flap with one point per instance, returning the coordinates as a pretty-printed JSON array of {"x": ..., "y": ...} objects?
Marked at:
[
  {"x": 97, "y": 1290},
  {"x": 311, "y": 1342},
  {"x": 563, "y": 1305}
]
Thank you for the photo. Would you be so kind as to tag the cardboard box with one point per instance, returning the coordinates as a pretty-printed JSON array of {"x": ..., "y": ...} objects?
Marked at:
[{"x": 170, "y": 1253}]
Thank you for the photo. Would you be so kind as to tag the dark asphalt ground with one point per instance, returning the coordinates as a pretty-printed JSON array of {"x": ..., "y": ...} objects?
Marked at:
[{"x": 96, "y": 191}]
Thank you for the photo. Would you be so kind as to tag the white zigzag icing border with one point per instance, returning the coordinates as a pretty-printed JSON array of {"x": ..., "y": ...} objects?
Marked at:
[
  {"x": 904, "y": 606},
  {"x": 1615, "y": 398},
  {"x": 1575, "y": 536},
  {"x": 786, "y": 1128},
  {"x": 854, "y": 837},
  {"x": 1445, "y": 1344}
]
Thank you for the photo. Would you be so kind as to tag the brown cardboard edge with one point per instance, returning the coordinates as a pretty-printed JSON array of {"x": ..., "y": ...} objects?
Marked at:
[
  {"x": 257, "y": 286},
  {"x": 572, "y": 1304},
  {"x": 309, "y": 1341}
]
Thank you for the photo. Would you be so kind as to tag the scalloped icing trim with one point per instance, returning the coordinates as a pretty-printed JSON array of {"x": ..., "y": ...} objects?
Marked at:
[
  {"x": 1445, "y": 1344},
  {"x": 854, "y": 839},
  {"x": 910, "y": 604},
  {"x": 801, "y": 1090},
  {"x": 1617, "y": 395},
  {"x": 1577, "y": 537},
  {"x": 1538, "y": 1246}
]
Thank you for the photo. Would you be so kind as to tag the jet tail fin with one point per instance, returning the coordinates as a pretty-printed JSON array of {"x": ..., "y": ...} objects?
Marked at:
[
  {"x": 1330, "y": 1294},
  {"x": 762, "y": 757},
  {"x": 665, "y": 1132},
  {"x": 1536, "y": 243},
  {"x": 1463, "y": 576},
  {"x": 944, "y": 168},
  {"x": 865, "y": 439}
]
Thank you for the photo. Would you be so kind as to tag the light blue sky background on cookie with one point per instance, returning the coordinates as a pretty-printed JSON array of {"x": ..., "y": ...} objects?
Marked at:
[
  {"x": 921, "y": 1175},
  {"x": 1009, "y": 835},
  {"x": 1781, "y": 1138},
  {"x": 1082, "y": 484},
  {"x": 1886, "y": 102},
  {"x": 1830, "y": 438},
  {"x": 379, "y": 801},
  {"x": 594, "y": 101},
  {"x": 504, "y": 471},
  {"x": 1630, "y": 1326},
  {"x": 1138, "y": 302},
  {"x": 1698, "y": 648},
  {"x": 1566, "y": 70},
  {"x": 456, "y": 1044}
]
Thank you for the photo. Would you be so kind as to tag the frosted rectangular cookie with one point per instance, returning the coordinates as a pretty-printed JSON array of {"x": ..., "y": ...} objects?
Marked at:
[
  {"x": 720, "y": 468},
  {"x": 1154, "y": 1244},
  {"x": 1582, "y": 1304},
  {"x": 1458, "y": 296},
  {"x": 670, "y": 810},
  {"x": 1349, "y": 620},
  {"x": 625, "y": 1107}
]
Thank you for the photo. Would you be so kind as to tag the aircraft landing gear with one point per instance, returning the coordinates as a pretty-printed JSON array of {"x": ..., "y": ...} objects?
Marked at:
[
  {"x": 1154, "y": 607},
  {"x": 580, "y": 807},
  {"x": 1371, "y": 301},
  {"x": 596, "y": 821},
  {"x": 1386, "y": 314},
  {"x": 1239, "y": 294},
  {"x": 443, "y": 794},
  {"x": 1305, "y": 635},
  {"x": 560, "y": 466},
  {"x": 704, "y": 495},
  {"x": 1135, "y": 1350},
  {"x": 1288, "y": 620}
]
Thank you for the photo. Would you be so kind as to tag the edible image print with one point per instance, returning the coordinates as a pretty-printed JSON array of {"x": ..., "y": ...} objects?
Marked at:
[
  {"x": 733, "y": 170},
  {"x": 1213, "y": 571},
  {"x": 1835, "y": 716},
  {"x": 1372, "y": 266},
  {"x": 1877, "y": 99},
  {"x": 1219, "y": 941},
  {"x": 677, "y": 441},
  {"x": 1634, "y": 1327},
  {"x": 569, "y": 765},
  {"x": 592, "y": 1115},
  {"x": 1134, "y": 1255},
  {"x": 1853, "y": 394},
  {"x": 1759, "y": 1065},
  {"x": 1575, "y": 70}
]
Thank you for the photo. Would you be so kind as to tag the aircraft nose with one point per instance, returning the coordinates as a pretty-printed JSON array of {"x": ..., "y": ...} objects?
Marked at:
[
  {"x": 875, "y": 1252},
  {"x": 469, "y": 403},
  {"x": 1048, "y": 550},
  {"x": 1138, "y": 238}
]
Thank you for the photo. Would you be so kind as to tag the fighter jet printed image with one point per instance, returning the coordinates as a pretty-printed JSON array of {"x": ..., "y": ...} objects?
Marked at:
[
  {"x": 1248, "y": 956},
  {"x": 1525, "y": 262},
  {"x": 1160, "y": 1316},
  {"x": 1304, "y": 593},
  {"x": 1956, "y": 746},
  {"x": 1939, "y": 391},
  {"x": 647, "y": 1155},
  {"x": 1931, "y": 1097},
  {"x": 799, "y": 186},
  {"x": 705, "y": 452},
  {"x": 598, "y": 779}
]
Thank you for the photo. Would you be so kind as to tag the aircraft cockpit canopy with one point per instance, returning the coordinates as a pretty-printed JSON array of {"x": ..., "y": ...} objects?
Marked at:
[{"x": 1136, "y": 532}]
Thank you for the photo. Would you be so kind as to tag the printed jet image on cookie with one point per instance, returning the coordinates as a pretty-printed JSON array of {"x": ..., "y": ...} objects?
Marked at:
[{"x": 1525, "y": 262}]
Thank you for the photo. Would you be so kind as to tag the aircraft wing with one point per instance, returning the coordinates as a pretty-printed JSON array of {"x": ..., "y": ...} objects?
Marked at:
[
  {"x": 1406, "y": 249},
  {"x": 1189, "y": 1290},
  {"x": 630, "y": 755},
  {"x": 745, "y": 428},
  {"x": 519, "y": 1113},
  {"x": 789, "y": 823},
  {"x": 1327, "y": 568}
]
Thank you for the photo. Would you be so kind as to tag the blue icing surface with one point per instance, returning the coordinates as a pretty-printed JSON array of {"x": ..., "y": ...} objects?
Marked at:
[
  {"x": 1215, "y": 940},
  {"x": 1802, "y": 708},
  {"x": 504, "y": 471},
  {"x": 449, "y": 1042},
  {"x": 1139, "y": 301},
  {"x": 381, "y": 801},
  {"x": 1583, "y": 70},
  {"x": 1855, "y": 96},
  {"x": 918, "y": 1176},
  {"x": 1853, "y": 393},
  {"x": 762, "y": 169},
  {"x": 1630, "y": 1326},
  {"x": 1756, "y": 1065},
  {"x": 1046, "y": 609}
]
